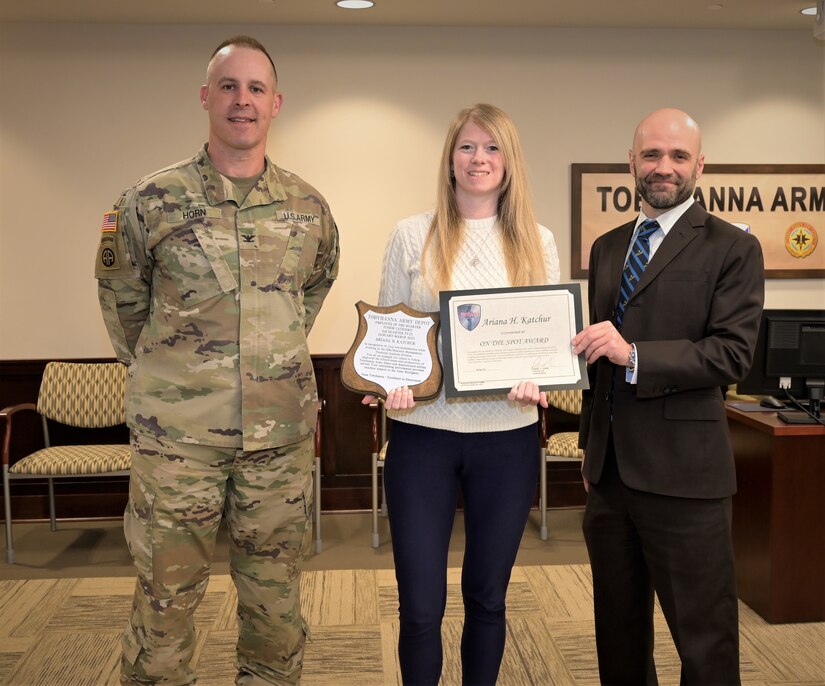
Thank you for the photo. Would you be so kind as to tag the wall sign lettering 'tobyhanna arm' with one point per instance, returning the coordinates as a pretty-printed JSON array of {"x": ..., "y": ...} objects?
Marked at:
[{"x": 783, "y": 205}]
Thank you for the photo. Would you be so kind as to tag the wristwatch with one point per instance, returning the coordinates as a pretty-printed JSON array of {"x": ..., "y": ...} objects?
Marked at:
[{"x": 631, "y": 358}]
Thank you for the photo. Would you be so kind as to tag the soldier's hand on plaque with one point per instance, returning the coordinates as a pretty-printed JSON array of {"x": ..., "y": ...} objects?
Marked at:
[{"x": 528, "y": 393}]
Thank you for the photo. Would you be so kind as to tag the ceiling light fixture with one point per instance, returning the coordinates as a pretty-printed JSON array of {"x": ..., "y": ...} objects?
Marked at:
[
  {"x": 355, "y": 4},
  {"x": 808, "y": 11}
]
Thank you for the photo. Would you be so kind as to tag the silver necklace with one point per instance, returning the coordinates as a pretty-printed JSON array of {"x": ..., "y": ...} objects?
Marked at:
[{"x": 474, "y": 260}]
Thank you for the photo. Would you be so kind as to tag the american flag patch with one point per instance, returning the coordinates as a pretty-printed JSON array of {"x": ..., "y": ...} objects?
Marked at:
[{"x": 109, "y": 222}]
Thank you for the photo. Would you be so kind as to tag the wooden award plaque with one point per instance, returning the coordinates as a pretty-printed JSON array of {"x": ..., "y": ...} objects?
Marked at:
[{"x": 394, "y": 346}]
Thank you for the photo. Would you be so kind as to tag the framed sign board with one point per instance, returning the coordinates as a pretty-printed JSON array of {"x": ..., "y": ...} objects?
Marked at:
[{"x": 783, "y": 205}]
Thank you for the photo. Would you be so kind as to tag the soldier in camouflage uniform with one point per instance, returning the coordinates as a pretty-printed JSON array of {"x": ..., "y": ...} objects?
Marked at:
[{"x": 211, "y": 273}]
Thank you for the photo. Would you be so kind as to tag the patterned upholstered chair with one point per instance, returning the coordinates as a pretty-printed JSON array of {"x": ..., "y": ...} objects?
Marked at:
[
  {"x": 84, "y": 395},
  {"x": 557, "y": 447}
]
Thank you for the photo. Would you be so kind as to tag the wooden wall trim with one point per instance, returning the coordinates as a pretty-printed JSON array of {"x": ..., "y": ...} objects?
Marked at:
[{"x": 346, "y": 448}]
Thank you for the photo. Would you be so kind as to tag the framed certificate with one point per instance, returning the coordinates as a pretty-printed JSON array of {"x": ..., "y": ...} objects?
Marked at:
[{"x": 493, "y": 338}]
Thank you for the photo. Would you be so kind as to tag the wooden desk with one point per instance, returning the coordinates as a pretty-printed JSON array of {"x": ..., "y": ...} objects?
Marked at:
[{"x": 779, "y": 516}]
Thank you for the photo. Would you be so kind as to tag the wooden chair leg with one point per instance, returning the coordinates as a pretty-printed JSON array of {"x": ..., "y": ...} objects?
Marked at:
[
  {"x": 383, "y": 495},
  {"x": 376, "y": 539},
  {"x": 52, "y": 506},
  {"x": 316, "y": 481},
  {"x": 543, "y": 492},
  {"x": 7, "y": 507}
]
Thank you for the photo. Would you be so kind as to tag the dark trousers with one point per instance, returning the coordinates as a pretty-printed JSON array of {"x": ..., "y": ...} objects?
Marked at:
[
  {"x": 496, "y": 473},
  {"x": 680, "y": 547}
]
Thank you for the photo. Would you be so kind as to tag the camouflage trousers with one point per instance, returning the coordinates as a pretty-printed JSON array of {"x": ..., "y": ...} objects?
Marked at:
[{"x": 178, "y": 494}]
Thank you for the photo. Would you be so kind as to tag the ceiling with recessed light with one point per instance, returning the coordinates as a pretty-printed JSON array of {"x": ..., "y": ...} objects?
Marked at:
[{"x": 704, "y": 14}]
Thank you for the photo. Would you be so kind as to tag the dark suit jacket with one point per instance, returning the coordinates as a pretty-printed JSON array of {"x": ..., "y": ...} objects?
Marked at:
[{"x": 694, "y": 318}]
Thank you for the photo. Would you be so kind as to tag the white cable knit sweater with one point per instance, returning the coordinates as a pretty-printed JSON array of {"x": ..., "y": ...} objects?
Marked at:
[{"x": 401, "y": 282}]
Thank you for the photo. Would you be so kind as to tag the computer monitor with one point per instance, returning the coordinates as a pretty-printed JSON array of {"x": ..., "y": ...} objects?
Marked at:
[{"x": 789, "y": 356}]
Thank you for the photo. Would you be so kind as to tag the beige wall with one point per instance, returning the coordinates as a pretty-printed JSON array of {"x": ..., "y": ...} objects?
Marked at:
[{"x": 85, "y": 110}]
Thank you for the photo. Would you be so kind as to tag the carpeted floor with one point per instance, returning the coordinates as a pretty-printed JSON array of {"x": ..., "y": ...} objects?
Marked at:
[
  {"x": 57, "y": 632},
  {"x": 96, "y": 548},
  {"x": 62, "y": 608}
]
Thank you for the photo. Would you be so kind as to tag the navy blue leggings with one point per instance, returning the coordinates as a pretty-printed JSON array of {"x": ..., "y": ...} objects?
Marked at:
[{"x": 496, "y": 473}]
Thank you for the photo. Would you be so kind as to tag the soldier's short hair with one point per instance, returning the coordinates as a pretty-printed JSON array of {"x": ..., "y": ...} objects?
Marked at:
[{"x": 245, "y": 42}]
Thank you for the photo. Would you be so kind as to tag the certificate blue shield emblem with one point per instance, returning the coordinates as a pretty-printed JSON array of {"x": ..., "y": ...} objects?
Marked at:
[{"x": 469, "y": 316}]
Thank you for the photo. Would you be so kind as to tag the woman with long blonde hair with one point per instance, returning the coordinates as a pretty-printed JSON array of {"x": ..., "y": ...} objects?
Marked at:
[{"x": 482, "y": 234}]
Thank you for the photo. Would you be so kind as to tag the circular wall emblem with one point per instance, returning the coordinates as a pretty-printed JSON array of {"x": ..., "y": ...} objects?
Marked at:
[{"x": 801, "y": 239}]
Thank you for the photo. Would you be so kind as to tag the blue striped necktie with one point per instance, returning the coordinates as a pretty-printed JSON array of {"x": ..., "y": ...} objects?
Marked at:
[{"x": 634, "y": 267}]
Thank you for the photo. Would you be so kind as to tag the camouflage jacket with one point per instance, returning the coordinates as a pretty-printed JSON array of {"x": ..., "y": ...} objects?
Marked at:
[{"x": 209, "y": 301}]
